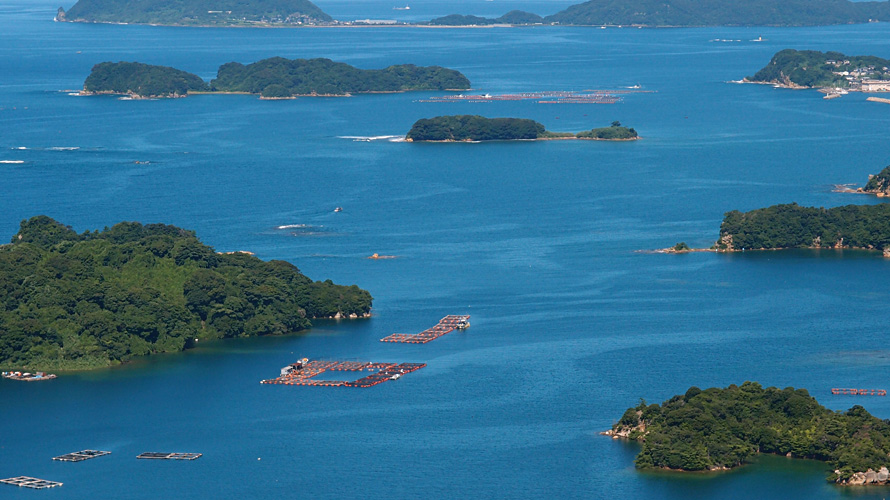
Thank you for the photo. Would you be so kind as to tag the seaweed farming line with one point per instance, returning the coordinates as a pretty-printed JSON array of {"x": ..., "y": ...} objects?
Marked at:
[
  {"x": 445, "y": 325},
  {"x": 559, "y": 96},
  {"x": 303, "y": 371},
  {"x": 154, "y": 455}
]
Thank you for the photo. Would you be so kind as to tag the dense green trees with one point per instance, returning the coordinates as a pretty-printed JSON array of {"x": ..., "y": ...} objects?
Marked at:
[
  {"x": 794, "y": 226},
  {"x": 479, "y": 128},
  {"x": 718, "y": 428},
  {"x": 474, "y": 128},
  {"x": 201, "y": 12},
  {"x": 720, "y": 13},
  {"x": 614, "y": 132},
  {"x": 323, "y": 76},
  {"x": 273, "y": 77},
  {"x": 142, "y": 79},
  {"x": 71, "y": 300},
  {"x": 811, "y": 68},
  {"x": 879, "y": 183}
]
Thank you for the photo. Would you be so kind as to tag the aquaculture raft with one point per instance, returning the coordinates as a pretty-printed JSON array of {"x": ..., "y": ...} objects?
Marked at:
[
  {"x": 31, "y": 482},
  {"x": 446, "y": 325},
  {"x": 301, "y": 373},
  {"x": 79, "y": 456},
  {"x": 153, "y": 455}
]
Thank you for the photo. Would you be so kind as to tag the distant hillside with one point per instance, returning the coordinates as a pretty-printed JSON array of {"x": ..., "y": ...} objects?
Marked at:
[
  {"x": 195, "y": 12},
  {"x": 513, "y": 17},
  {"x": 721, "y": 13}
]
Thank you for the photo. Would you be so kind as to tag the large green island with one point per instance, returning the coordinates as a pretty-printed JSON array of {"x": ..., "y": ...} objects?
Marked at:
[
  {"x": 719, "y": 429},
  {"x": 474, "y": 128},
  {"x": 813, "y": 69},
  {"x": 793, "y": 226},
  {"x": 82, "y": 301},
  {"x": 686, "y": 13},
  {"x": 196, "y": 12},
  {"x": 272, "y": 78}
]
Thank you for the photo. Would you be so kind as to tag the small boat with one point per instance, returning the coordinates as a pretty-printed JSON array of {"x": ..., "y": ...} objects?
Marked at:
[
  {"x": 338, "y": 209},
  {"x": 396, "y": 376},
  {"x": 402, "y": 8}
]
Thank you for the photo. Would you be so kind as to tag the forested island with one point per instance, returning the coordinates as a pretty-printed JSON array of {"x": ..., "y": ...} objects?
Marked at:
[
  {"x": 814, "y": 69},
  {"x": 474, "y": 128},
  {"x": 197, "y": 12},
  {"x": 794, "y": 226},
  {"x": 676, "y": 13},
  {"x": 81, "y": 301},
  {"x": 878, "y": 184},
  {"x": 272, "y": 78},
  {"x": 718, "y": 429},
  {"x": 514, "y": 17}
]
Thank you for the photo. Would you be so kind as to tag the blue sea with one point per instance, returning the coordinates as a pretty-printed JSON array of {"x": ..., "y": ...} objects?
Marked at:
[{"x": 544, "y": 244}]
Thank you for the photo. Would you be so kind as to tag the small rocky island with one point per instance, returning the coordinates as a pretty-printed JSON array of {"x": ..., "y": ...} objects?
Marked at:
[
  {"x": 196, "y": 12},
  {"x": 793, "y": 226},
  {"x": 720, "y": 429},
  {"x": 825, "y": 70},
  {"x": 474, "y": 128},
  {"x": 273, "y": 78},
  {"x": 100, "y": 298}
]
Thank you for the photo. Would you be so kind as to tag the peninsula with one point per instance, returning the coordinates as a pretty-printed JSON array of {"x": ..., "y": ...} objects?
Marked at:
[
  {"x": 196, "y": 12},
  {"x": 474, "y": 128},
  {"x": 687, "y": 13},
  {"x": 720, "y": 429},
  {"x": 90, "y": 300},
  {"x": 793, "y": 226},
  {"x": 878, "y": 184},
  {"x": 826, "y": 70},
  {"x": 272, "y": 78}
]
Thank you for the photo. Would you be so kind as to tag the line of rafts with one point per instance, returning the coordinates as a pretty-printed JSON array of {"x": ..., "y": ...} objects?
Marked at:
[
  {"x": 858, "y": 392},
  {"x": 306, "y": 371},
  {"x": 546, "y": 97},
  {"x": 80, "y": 456}
]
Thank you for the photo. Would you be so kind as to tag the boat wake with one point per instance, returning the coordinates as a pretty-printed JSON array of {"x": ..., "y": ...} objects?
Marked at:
[
  {"x": 12, "y": 161},
  {"x": 303, "y": 230},
  {"x": 372, "y": 138}
]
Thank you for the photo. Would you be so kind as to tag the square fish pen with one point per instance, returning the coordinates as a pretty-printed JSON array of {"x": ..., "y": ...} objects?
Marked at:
[
  {"x": 79, "y": 456},
  {"x": 30, "y": 482}
]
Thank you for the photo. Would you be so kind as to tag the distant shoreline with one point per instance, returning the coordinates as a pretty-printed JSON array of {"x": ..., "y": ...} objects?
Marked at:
[{"x": 567, "y": 138}]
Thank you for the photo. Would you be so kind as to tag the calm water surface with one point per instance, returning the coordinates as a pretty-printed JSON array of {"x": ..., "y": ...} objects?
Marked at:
[{"x": 537, "y": 241}]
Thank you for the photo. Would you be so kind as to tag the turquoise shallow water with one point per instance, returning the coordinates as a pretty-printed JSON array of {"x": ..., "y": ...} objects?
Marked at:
[{"x": 538, "y": 241}]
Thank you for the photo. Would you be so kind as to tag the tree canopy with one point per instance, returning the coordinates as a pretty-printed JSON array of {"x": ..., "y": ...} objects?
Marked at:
[
  {"x": 324, "y": 76},
  {"x": 70, "y": 300},
  {"x": 794, "y": 226},
  {"x": 196, "y": 12},
  {"x": 142, "y": 79},
  {"x": 613, "y": 132},
  {"x": 474, "y": 128},
  {"x": 879, "y": 183},
  {"x": 811, "y": 68},
  {"x": 723, "y": 428}
]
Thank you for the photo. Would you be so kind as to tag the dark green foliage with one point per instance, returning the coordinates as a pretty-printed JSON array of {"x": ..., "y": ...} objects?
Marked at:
[
  {"x": 203, "y": 12},
  {"x": 879, "y": 183},
  {"x": 720, "y": 13},
  {"x": 794, "y": 226},
  {"x": 474, "y": 128},
  {"x": 681, "y": 247},
  {"x": 811, "y": 68},
  {"x": 718, "y": 428},
  {"x": 276, "y": 90},
  {"x": 98, "y": 298},
  {"x": 513, "y": 17},
  {"x": 323, "y": 76},
  {"x": 611, "y": 133},
  {"x": 142, "y": 80}
]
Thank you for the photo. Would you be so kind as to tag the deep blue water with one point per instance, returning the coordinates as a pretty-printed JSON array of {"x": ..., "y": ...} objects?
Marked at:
[{"x": 538, "y": 241}]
